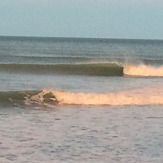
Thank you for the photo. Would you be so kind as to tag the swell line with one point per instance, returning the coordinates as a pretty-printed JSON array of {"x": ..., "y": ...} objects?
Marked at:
[{"x": 92, "y": 69}]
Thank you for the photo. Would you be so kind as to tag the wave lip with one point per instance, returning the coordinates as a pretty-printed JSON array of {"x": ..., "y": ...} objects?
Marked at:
[{"x": 142, "y": 70}]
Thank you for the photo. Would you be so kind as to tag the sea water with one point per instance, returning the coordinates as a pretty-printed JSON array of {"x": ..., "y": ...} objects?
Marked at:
[{"x": 81, "y": 100}]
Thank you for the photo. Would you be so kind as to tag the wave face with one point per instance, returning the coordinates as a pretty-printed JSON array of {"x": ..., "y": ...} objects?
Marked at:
[
  {"x": 92, "y": 69},
  {"x": 45, "y": 97}
]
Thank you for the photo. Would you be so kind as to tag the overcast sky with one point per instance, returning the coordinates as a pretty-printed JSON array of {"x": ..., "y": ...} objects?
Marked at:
[{"x": 135, "y": 19}]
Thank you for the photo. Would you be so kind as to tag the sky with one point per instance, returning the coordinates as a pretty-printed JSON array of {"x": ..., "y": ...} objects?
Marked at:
[{"x": 132, "y": 19}]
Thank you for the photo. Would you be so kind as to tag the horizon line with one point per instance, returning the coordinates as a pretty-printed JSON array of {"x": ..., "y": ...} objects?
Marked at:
[{"x": 76, "y": 37}]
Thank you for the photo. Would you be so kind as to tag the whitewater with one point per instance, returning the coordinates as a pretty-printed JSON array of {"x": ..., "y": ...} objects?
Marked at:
[
  {"x": 143, "y": 70},
  {"x": 147, "y": 96},
  {"x": 81, "y": 100}
]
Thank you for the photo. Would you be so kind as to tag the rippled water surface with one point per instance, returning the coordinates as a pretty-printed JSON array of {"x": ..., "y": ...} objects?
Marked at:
[{"x": 81, "y": 134}]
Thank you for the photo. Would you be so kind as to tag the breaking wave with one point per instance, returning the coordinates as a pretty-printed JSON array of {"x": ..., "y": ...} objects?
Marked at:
[
  {"x": 90, "y": 69},
  {"x": 45, "y": 97}
]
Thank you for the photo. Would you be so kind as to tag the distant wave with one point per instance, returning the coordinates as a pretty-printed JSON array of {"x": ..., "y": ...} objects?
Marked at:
[
  {"x": 50, "y": 98},
  {"x": 90, "y": 69}
]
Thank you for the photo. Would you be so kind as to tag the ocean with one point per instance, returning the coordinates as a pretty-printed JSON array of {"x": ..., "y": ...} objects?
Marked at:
[{"x": 81, "y": 100}]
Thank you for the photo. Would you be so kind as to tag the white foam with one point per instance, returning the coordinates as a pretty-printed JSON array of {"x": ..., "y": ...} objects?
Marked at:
[
  {"x": 146, "y": 96},
  {"x": 142, "y": 70}
]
